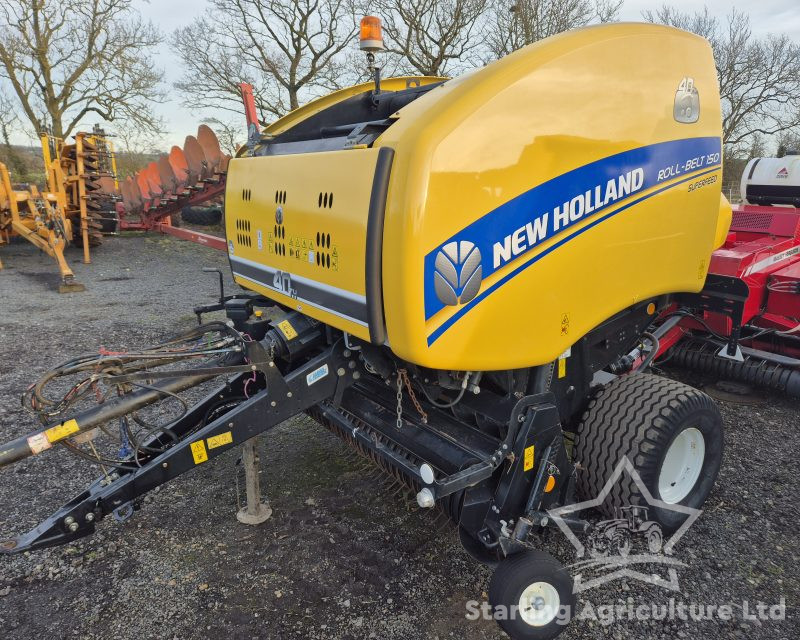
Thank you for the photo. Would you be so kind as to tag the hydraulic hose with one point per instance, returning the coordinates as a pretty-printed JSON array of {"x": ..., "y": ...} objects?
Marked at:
[{"x": 38, "y": 441}]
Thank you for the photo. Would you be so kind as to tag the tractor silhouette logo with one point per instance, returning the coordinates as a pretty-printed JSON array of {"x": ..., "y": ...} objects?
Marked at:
[
  {"x": 620, "y": 534},
  {"x": 630, "y": 545},
  {"x": 458, "y": 273}
]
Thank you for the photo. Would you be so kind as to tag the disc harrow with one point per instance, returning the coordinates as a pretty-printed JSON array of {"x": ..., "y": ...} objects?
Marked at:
[{"x": 153, "y": 198}]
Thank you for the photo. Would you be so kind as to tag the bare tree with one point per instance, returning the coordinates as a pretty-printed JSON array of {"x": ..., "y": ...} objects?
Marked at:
[
  {"x": 134, "y": 150},
  {"x": 430, "y": 37},
  {"x": 67, "y": 59},
  {"x": 516, "y": 23},
  {"x": 759, "y": 79},
  {"x": 289, "y": 50},
  {"x": 231, "y": 134},
  {"x": 8, "y": 122},
  {"x": 788, "y": 142}
]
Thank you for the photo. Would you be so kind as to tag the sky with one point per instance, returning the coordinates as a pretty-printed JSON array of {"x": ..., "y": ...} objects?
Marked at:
[{"x": 767, "y": 16}]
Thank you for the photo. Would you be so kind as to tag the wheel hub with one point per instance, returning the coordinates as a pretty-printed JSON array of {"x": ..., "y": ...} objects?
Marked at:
[
  {"x": 539, "y": 604},
  {"x": 682, "y": 465}
]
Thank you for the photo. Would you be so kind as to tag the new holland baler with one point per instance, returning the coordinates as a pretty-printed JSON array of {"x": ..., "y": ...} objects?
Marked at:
[{"x": 456, "y": 277}]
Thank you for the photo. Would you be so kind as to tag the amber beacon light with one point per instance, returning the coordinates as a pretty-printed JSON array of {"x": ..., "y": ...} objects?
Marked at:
[{"x": 371, "y": 37}]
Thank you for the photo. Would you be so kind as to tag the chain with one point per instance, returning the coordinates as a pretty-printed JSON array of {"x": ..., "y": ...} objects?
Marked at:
[
  {"x": 407, "y": 381},
  {"x": 399, "y": 401}
]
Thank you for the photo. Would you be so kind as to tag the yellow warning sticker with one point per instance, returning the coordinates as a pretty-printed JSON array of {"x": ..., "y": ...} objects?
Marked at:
[
  {"x": 527, "y": 463},
  {"x": 287, "y": 329},
  {"x": 199, "y": 451},
  {"x": 61, "y": 431},
  {"x": 220, "y": 441},
  {"x": 562, "y": 362}
]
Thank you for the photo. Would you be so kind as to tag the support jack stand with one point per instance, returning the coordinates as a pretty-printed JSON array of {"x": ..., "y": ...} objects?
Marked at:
[{"x": 255, "y": 511}]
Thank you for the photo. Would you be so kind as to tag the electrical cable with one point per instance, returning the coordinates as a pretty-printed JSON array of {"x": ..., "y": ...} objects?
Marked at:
[
  {"x": 655, "y": 344},
  {"x": 103, "y": 375},
  {"x": 447, "y": 405}
]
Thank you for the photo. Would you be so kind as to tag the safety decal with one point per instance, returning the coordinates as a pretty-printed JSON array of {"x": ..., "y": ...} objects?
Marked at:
[
  {"x": 199, "y": 451},
  {"x": 287, "y": 329},
  {"x": 61, "y": 431},
  {"x": 527, "y": 463},
  {"x": 562, "y": 363},
  {"x": 220, "y": 441}
]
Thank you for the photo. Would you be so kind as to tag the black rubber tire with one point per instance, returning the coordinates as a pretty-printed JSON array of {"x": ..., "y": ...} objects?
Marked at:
[
  {"x": 109, "y": 218},
  {"x": 512, "y": 576},
  {"x": 638, "y": 416},
  {"x": 109, "y": 222},
  {"x": 204, "y": 216}
]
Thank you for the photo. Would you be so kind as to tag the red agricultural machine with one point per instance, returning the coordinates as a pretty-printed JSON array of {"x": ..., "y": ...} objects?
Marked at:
[
  {"x": 749, "y": 331},
  {"x": 186, "y": 176},
  {"x": 83, "y": 199}
]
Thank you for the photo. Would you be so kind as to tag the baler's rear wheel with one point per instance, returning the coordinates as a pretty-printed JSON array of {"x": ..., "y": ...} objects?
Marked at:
[
  {"x": 670, "y": 432},
  {"x": 531, "y": 596}
]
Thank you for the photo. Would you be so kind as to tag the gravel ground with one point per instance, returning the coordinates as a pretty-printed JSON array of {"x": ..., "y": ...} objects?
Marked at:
[{"x": 344, "y": 554}]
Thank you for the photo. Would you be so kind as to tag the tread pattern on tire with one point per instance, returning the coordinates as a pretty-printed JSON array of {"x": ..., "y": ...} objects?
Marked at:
[
  {"x": 518, "y": 562},
  {"x": 204, "y": 216},
  {"x": 502, "y": 591},
  {"x": 627, "y": 418}
]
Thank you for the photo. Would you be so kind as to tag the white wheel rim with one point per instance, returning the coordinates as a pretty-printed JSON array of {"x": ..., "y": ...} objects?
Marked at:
[
  {"x": 682, "y": 465},
  {"x": 539, "y": 604}
]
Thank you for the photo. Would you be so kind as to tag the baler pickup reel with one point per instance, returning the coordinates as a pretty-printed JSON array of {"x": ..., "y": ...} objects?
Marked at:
[{"x": 296, "y": 366}]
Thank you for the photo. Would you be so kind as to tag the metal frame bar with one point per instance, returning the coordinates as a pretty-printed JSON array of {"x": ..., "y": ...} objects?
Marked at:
[{"x": 281, "y": 398}]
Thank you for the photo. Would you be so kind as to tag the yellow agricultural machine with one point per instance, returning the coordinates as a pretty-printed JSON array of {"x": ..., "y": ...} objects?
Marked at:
[
  {"x": 78, "y": 206},
  {"x": 460, "y": 278},
  {"x": 38, "y": 218},
  {"x": 86, "y": 200},
  {"x": 84, "y": 176}
]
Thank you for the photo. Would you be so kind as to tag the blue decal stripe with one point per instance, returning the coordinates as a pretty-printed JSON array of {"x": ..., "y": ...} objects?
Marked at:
[
  {"x": 433, "y": 337},
  {"x": 517, "y": 226}
]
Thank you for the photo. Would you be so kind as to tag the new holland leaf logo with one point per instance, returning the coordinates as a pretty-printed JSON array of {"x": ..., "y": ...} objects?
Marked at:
[{"x": 458, "y": 273}]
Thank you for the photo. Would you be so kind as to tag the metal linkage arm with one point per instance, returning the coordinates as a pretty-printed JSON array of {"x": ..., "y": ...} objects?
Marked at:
[{"x": 325, "y": 376}]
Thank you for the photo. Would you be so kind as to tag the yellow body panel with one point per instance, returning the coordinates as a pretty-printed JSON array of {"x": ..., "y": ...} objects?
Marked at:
[
  {"x": 322, "y": 207},
  {"x": 537, "y": 114},
  {"x": 505, "y": 145},
  {"x": 723, "y": 221}
]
